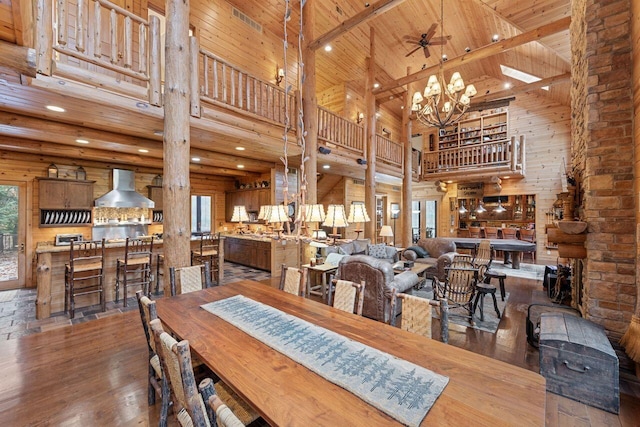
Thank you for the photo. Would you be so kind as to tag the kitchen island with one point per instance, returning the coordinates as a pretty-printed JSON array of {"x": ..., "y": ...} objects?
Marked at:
[
  {"x": 261, "y": 252},
  {"x": 50, "y": 265}
]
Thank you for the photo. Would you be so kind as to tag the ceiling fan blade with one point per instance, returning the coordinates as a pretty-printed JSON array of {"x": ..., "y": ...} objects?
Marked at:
[
  {"x": 410, "y": 53},
  {"x": 439, "y": 39},
  {"x": 426, "y": 52},
  {"x": 437, "y": 42},
  {"x": 431, "y": 31}
]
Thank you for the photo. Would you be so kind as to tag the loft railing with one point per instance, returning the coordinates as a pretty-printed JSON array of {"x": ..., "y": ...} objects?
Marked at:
[
  {"x": 416, "y": 158},
  {"x": 86, "y": 33},
  {"x": 388, "y": 151},
  {"x": 503, "y": 155},
  {"x": 340, "y": 131},
  {"x": 224, "y": 84}
]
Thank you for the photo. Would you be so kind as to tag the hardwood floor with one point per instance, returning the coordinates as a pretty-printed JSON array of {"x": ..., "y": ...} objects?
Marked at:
[{"x": 95, "y": 373}]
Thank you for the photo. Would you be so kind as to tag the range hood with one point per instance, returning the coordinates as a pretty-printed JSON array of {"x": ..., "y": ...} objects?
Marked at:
[{"x": 123, "y": 194}]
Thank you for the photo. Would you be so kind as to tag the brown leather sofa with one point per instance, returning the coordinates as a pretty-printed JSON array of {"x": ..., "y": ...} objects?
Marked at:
[
  {"x": 379, "y": 283},
  {"x": 440, "y": 252}
]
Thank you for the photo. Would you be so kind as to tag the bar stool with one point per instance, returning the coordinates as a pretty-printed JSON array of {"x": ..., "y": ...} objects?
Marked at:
[
  {"x": 135, "y": 268},
  {"x": 483, "y": 289},
  {"x": 491, "y": 274},
  {"x": 84, "y": 274},
  {"x": 208, "y": 251}
]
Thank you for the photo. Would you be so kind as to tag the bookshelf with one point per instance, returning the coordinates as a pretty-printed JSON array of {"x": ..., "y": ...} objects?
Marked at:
[{"x": 478, "y": 130}]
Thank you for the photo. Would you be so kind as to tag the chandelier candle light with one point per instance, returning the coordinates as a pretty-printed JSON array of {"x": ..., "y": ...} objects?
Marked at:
[{"x": 442, "y": 104}]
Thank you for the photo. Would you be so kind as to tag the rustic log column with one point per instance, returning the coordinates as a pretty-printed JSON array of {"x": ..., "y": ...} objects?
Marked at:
[
  {"x": 309, "y": 102},
  {"x": 370, "y": 174},
  {"x": 176, "y": 187},
  {"x": 43, "y": 283},
  {"x": 408, "y": 171}
]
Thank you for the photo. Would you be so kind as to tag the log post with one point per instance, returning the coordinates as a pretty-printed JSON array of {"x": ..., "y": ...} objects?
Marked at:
[
  {"x": 370, "y": 173},
  {"x": 43, "y": 283},
  {"x": 176, "y": 189},
  {"x": 44, "y": 41},
  {"x": 407, "y": 180},
  {"x": 154, "y": 61},
  {"x": 194, "y": 52},
  {"x": 310, "y": 102}
]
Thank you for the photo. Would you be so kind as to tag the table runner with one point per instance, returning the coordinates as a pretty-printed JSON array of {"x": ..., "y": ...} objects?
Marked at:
[{"x": 399, "y": 388}]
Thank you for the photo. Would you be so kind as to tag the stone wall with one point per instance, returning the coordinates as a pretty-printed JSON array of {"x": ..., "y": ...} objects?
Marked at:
[{"x": 604, "y": 156}]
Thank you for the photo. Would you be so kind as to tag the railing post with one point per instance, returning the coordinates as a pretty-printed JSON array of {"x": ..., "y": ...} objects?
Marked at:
[
  {"x": 44, "y": 40},
  {"x": 514, "y": 153},
  {"x": 154, "y": 62},
  {"x": 522, "y": 152},
  {"x": 194, "y": 81}
]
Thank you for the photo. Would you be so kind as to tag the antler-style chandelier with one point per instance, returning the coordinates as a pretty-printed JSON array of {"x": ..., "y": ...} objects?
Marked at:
[{"x": 442, "y": 104}]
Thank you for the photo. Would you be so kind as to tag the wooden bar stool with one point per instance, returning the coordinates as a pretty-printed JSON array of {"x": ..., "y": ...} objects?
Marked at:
[
  {"x": 491, "y": 274},
  {"x": 135, "y": 268},
  {"x": 84, "y": 274},
  {"x": 208, "y": 251},
  {"x": 159, "y": 271},
  {"x": 483, "y": 289}
]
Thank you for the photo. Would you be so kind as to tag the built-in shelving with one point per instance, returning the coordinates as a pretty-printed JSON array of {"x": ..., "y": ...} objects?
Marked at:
[{"x": 476, "y": 131}]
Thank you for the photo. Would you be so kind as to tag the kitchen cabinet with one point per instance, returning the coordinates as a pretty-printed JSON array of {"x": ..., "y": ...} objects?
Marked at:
[
  {"x": 155, "y": 194},
  {"x": 250, "y": 199},
  {"x": 65, "y": 194},
  {"x": 252, "y": 253}
]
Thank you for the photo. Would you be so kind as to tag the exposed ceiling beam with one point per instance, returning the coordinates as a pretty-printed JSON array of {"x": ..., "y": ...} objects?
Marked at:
[
  {"x": 549, "y": 81},
  {"x": 370, "y": 12},
  {"x": 19, "y": 58},
  {"x": 481, "y": 53}
]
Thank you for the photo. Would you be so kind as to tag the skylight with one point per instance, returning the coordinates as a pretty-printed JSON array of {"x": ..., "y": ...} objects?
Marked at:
[{"x": 520, "y": 75}]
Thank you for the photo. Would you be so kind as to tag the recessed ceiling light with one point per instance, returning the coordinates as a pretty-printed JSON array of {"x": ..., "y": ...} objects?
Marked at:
[
  {"x": 444, "y": 57},
  {"x": 495, "y": 38},
  {"x": 376, "y": 85},
  {"x": 240, "y": 148},
  {"x": 506, "y": 177},
  {"x": 328, "y": 48},
  {"x": 326, "y": 166},
  {"x": 143, "y": 150},
  {"x": 507, "y": 85},
  {"x": 240, "y": 166},
  {"x": 195, "y": 159},
  {"x": 55, "y": 108},
  {"x": 82, "y": 141},
  {"x": 449, "y": 182}
]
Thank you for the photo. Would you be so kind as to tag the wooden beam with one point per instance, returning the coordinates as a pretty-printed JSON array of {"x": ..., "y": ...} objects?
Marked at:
[
  {"x": 482, "y": 53},
  {"x": 549, "y": 81},
  {"x": 23, "y": 20},
  {"x": 370, "y": 12},
  {"x": 19, "y": 58}
]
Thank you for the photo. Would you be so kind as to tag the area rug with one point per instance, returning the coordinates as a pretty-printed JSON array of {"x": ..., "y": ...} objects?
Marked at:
[
  {"x": 491, "y": 321},
  {"x": 399, "y": 388}
]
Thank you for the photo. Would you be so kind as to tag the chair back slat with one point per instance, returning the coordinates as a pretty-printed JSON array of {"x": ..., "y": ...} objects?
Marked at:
[
  {"x": 189, "y": 279},
  {"x": 347, "y": 296},
  {"x": 460, "y": 284},
  {"x": 483, "y": 257},
  {"x": 293, "y": 280},
  {"x": 416, "y": 315}
]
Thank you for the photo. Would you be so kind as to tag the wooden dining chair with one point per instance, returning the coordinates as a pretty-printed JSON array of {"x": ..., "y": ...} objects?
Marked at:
[
  {"x": 156, "y": 383},
  {"x": 347, "y": 296},
  {"x": 84, "y": 274},
  {"x": 188, "y": 404},
  {"x": 293, "y": 280},
  {"x": 134, "y": 269},
  {"x": 417, "y": 313},
  {"x": 189, "y": 279},
  {"x": 208, "y": 251},
  {"x": 529, "y": 236},
  {"x": 483, "y": 257},
  {"x": 474, "y": 232},
  {"x": 458, "y": 289},
  {"x": 509, "y": 233},
  {"x": 491, "y": 232}
]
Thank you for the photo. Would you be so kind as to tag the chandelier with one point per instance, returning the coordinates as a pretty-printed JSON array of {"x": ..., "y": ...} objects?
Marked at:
[{"x": 442, "y": 104}]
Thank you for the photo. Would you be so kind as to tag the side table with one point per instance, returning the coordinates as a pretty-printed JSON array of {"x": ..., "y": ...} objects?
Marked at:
[{"x": 325, "y": 270}]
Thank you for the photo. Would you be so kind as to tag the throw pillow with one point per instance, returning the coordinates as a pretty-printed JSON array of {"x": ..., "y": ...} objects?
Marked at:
[
  {"x": 378, "y": 251},
  {"x": 419, "y": 250}
]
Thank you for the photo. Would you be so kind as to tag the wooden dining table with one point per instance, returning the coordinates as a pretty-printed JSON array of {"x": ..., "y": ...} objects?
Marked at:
[{"x": 481, "y": 391}]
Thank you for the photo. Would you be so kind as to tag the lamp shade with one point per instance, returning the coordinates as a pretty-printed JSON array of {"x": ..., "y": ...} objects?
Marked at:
[
  {"x": 336, "y": 217},
  {"x": 358, "y": 213},
  {"x": 312, "y": 213},
  {"x": 264, "y": 213},
  {"x": 239, "y": 214},
  {"x": 315, "y": 244},
  {"x": 386, "y": 231},
  {"x": 499, "y": 208},
  {"x": 319, "y": 235},
  {"x": 278, "y": 213}
]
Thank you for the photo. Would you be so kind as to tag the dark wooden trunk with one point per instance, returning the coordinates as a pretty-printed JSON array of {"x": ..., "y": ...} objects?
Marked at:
[{"x": 578, "y": 361}]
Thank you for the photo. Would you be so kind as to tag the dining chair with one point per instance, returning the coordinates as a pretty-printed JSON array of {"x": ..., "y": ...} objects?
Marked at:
[
  {"x": 417, "y": 314},
  {"x": 483, "y": 257},
  {"x": 509, "y": 233},
  {"x": 156, "y": 383},
  {"x": 188, "y": 403},
  {"x": 293, "y": 280},
  {"x": 347, "y": 296},
  {"x": 458, "y": 289},
  {"x": 208, "y": 251},
  {"x": 474, "y": 232},
  {"x": 189, "y": 279},
  {"x": 491, "y": 232},
  {"x": 84, "y": 274},
  {"x": 134, "y": 269},
  {"x": 529, "y": 236},
  {"x": 159, "y": 271}
]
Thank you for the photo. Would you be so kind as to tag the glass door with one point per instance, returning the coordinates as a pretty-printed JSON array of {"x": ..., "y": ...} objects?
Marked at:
[{"x": 12, "y": 235}]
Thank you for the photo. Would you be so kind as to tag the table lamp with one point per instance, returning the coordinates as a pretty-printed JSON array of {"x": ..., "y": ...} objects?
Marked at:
[
  {"x": 311, "y": 213},
  {"x": 239, "y": 215},
  {"x": 318, "y": 246},
  {"x": 335, "y": 218},
  {"x": 358, "y": 215},
  {"x": 385, "y": 232},
  {"x": 277, "y": 216},
  {"x": 265, "y": 211}
]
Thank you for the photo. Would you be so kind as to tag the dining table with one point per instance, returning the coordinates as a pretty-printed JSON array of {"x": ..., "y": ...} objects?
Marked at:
[
  {"x": 512, "y": 248},
  {"x": 480, "y": 390}
]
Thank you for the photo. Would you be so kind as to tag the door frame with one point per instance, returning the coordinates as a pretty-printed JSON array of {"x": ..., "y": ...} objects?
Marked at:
[{"x": 23, "y": 247}]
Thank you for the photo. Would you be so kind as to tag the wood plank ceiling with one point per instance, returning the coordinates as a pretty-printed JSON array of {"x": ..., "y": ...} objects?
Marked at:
[{"x": 470, "y": 23}]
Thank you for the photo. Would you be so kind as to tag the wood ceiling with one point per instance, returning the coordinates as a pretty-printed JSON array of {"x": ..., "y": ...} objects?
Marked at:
[{"x": 122, "y": 131}]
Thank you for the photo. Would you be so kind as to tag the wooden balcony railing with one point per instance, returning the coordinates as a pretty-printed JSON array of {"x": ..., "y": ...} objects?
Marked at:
[
  {"x": 416, "y": 158},
  {"x": 100, "y": 33},
  {"x": 340, "y": 131},
  {"x": 388, "y": 151},
  {"x": 224, "y": 84},
  {"x": 502, "y": 155}
]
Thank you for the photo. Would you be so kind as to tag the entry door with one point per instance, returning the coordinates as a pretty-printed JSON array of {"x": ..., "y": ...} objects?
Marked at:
[{"x": 13, "y": 216}]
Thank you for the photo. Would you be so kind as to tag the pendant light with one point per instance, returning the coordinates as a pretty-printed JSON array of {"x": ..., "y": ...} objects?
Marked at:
[{"x": 499, "y": 208}]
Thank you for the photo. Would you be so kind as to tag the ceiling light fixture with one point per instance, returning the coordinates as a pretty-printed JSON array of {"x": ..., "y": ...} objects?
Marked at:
[
  {"x": 507, "y": 85},
  {"x": 499, "y": 208},
  {"x": 240, "y": 148},
  {"x": 326, "y": 167},
  {"x": 240, "y": 166},
  {"x": 328, "y": 48},
  {"x": 143, "y": 150},
  {"x": 82, "y": 141},
  {"x": 438, "y": 110},
  {"x": 495, "y": 38},
  {"x": 55, "y": 108},
  {"x": 376, "y": 85},
  {"x": 195, "y": 159}
]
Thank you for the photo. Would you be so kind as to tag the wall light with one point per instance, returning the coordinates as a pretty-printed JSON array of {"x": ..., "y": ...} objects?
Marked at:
[
  {"x": 279, "y": 75},
  {"x": 359, "y": 118},
  {"x": 324, "y": 150},
  {"x": 362, "y": 161}
]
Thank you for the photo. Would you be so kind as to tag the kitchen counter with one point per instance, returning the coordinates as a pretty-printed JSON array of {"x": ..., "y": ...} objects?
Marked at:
[
  {"x": 50, "y": 265},
  {"x": 261, "y": 252}
]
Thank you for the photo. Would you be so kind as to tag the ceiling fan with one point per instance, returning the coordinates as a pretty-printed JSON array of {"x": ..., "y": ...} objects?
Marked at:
[{"x": 426, "y": 40}]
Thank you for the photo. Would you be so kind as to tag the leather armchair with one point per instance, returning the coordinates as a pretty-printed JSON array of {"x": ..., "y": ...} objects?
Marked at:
[
  {"x": 441, "y": 253},
  {"x": 380, "y": 282}
]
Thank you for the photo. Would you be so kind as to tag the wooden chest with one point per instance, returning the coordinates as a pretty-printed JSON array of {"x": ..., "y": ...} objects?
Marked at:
[{"x": 578, "y": 361}]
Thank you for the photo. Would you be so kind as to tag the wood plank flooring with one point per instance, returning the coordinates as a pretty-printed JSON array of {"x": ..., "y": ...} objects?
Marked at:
[{"x": 95, "y": 374}]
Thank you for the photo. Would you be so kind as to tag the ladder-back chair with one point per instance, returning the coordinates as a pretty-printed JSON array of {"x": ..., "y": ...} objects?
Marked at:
[
  {"x": 347, "y": 296},
  {"x": 135, "y": 268},
  {"x": 84, "y": 274},
  {"x": 417, "y": 313},
  {"x": 474, "y": 232},
  {"x": 483, "y": 257},
  {"x": 189, "y": 279},
  {"x": 491, "y": 232},
  {"x": 529, "y": 236},
  {"x": 293, "y": 280},
  {"x": 458, "y": 289},
  {"x": 208, "y": 251}
]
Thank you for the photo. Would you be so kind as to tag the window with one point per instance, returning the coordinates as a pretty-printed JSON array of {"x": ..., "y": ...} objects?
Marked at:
[
  {"x": 200, "y": 214},
  {"x": 431, "y": 210}
]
